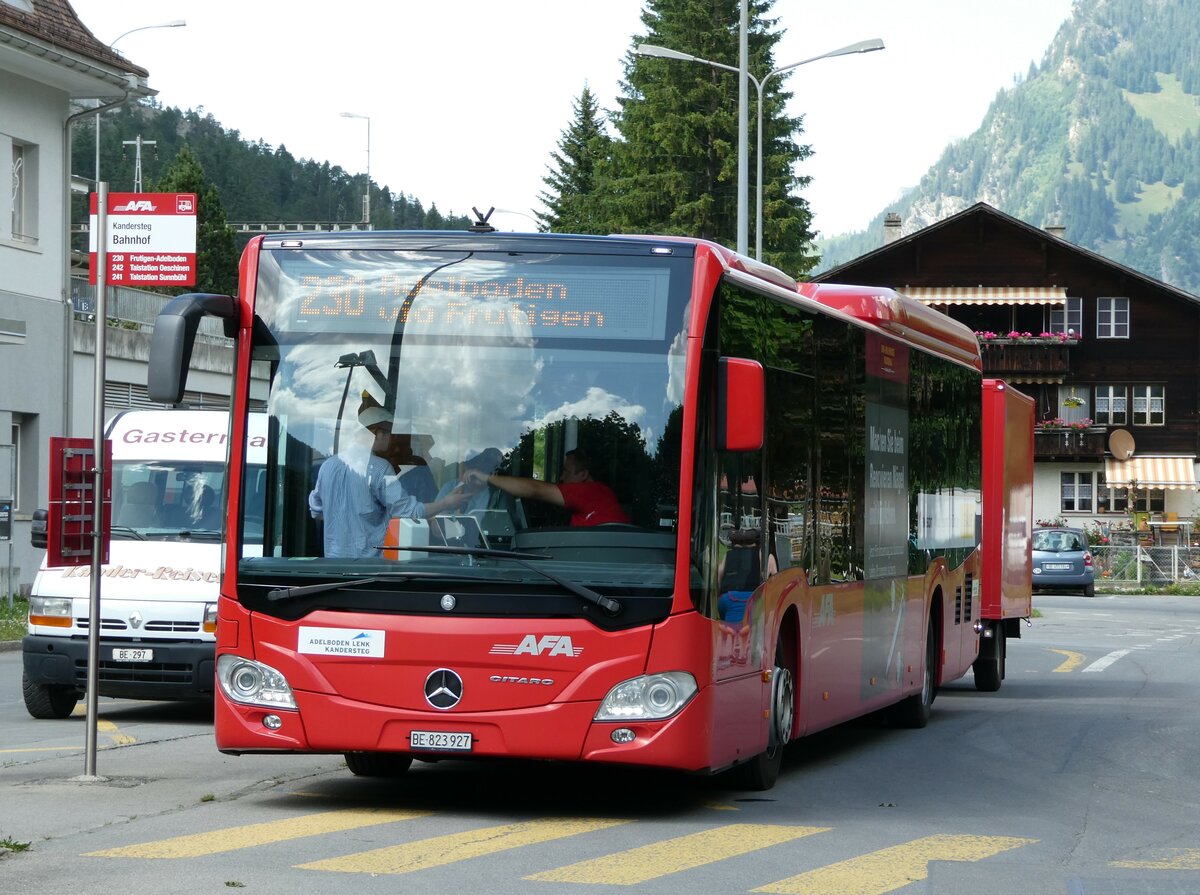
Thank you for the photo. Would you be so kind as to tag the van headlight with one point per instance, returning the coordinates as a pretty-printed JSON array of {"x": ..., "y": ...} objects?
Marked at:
[
  {"x": 651, "y": 697},
  {"x": 54, "y": 612},
  {"x": 253, "y": 683},
  {"x": 210, "y": 618}
]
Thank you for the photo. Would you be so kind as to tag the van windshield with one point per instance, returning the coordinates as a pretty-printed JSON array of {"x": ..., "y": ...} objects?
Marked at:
[{"x": 168, "y": 499}]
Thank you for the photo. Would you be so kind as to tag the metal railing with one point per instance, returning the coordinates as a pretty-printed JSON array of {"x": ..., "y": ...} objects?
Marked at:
[
  {"x": 1134, "y": 565},
  {"x": 134, "y": 308}
]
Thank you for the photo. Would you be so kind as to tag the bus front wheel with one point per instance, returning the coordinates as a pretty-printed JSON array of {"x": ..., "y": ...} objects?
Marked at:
[
  {"x": 760, "y": 773},
  {"x": 377, "y": 764}
]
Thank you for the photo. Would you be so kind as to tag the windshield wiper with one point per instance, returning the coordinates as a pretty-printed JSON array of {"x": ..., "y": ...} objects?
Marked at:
[
  {"x": 608, "y": 604},
  {"x": 126, "y": 530},
  {"x": 276, "y": 594}
]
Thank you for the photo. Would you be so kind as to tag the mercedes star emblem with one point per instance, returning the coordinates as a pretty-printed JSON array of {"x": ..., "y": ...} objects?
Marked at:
[{"x": 443, "y": 689}]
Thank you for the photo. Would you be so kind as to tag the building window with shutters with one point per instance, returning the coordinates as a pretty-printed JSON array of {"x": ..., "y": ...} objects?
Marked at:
[
  {"x": 1112, "y": 318},
  {"x": 1111, "y": 405},
  {"x": 1149, "y": 405},
  {"x": 1068, "y": 318}
]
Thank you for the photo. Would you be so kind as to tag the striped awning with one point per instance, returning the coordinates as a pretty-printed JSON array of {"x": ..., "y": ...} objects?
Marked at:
[
  {"x": 987, "y": 295},
  {"x": 1152, "y": 472}
]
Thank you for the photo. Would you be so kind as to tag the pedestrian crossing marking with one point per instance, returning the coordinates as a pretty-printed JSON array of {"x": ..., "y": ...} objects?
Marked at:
[
  {"x": 1172, "y": 859},
  {"x": 234, "y": 838},
  {"x": 892, "y": 868},
  {"x": 1074, "y": 660},
  {"x": 449, "y": 849},
  {"x": 639, "y": 865}
]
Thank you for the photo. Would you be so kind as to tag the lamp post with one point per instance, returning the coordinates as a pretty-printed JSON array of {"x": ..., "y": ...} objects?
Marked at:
[
  {"x": 174, "y": 23},
  {"x": 863, "y": 46},
  {"x": 367, "y": 196}
]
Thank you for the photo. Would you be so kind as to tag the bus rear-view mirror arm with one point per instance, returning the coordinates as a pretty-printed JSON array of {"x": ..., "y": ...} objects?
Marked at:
[{"x": 175, "y": 334}]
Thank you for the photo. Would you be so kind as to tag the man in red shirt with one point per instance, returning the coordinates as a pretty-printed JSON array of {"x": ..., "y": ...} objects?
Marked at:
[{"x": 590, "y": 502}]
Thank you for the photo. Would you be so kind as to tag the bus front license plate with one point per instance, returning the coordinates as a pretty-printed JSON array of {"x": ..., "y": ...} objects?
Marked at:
[
  {"x": 132, "y": 655},
  {"x": 439, "y": 741}
]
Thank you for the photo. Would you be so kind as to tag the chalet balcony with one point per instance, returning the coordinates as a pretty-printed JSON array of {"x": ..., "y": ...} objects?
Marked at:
[
  {"x": 1043, "y": 358},
  {"x": 1065, "y": 443}
]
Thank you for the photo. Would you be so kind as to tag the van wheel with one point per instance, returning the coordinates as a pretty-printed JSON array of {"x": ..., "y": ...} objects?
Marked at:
[
  {"x": 48, "y": 700},
  {"x": 760, "y": 773},
  {"x": 989, "y": 667},
  {"x": 377, "y": 764},
  {"x": 915, "y": 710}
]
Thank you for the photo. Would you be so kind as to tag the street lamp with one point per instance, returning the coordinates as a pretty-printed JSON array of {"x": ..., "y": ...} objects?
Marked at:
[
  {"x": 367, "y": 197},
  {"x": 174, "y": 23},
  {"x": 863, "y": 46}
]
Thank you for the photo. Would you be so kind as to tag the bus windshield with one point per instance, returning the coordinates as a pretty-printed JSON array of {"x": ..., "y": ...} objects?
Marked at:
[{"x": 493, "y": 370}]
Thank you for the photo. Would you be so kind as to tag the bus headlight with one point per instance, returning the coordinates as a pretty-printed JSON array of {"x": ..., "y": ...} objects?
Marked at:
[
  {"x": 651, "y": 697},
  {"x": 52, "y": 611},
  {"x": 253, "y": 683}
]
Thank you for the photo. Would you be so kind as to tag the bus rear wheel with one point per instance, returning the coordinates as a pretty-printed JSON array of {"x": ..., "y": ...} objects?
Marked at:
[{"x": 377, "y": 764}]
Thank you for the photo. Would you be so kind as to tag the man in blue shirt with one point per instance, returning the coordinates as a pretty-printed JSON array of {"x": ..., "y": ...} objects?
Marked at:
[{"x": 358, "y": 491}]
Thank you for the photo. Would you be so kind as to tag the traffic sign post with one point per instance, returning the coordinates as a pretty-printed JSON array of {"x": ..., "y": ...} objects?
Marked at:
[{"x": 150, "y": 239}]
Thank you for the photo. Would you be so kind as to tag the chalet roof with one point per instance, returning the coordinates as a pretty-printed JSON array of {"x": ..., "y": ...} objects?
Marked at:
[
  {"x": 52, "y": 32},
  {"x": 879, "y": 256}
]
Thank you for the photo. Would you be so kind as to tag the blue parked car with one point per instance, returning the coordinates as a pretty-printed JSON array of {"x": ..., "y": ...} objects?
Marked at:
[{"x": 1061, "y": 559}]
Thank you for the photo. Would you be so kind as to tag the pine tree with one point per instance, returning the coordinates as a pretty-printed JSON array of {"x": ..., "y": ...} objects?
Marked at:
[
  {"x": 216, "y": 249},
  {"x": 573, "y": 200},
  {"x": 675, "y": 166}
]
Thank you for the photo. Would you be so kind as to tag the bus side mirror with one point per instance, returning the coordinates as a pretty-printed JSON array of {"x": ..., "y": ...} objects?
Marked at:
[
  {"x": 740, "y": 404},
  {"x": 172, "y": 339},
  {"x": 37, "y": 529}
]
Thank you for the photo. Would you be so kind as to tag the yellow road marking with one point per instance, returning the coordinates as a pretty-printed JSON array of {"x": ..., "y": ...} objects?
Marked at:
[
  {"x": 116, "y": 737},
  {"x": 891, "y": 868},
  {"x": 638, "y": 865},
  {"x": 1173, "y": 859},
  {"x": 442, "y": 850},
  {"x": 233, "y": 838},
  {"x": 1074, "y": 660}
]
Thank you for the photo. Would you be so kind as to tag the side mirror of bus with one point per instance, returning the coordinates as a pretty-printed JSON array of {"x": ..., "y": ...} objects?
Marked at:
[
  {"x": 38, "y": 530},
  {"x": 741, "y": 400},
  {"x": 173, "y": 337}
]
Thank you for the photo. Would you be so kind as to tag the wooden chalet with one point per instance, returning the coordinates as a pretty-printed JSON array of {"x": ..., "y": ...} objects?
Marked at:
[{"x": 1111, "y": 356}]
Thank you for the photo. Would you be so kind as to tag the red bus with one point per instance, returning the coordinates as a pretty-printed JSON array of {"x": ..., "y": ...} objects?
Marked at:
[{"x": 792, "y": 537}]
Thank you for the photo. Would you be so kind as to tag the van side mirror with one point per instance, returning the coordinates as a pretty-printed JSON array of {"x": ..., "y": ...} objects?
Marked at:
[
  {"x": 741, "y": 401},
  {"x": 37, "y": 529}
]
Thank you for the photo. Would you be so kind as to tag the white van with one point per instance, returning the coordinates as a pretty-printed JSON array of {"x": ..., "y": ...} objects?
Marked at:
[{"x": 158, "y": 597}]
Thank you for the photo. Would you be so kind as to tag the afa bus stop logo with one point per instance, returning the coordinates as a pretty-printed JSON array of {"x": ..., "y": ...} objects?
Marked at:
[{"x": 150, "y": 239}]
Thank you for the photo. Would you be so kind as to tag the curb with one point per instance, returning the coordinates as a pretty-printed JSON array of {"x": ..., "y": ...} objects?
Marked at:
[{"x": 9, "y": 645}]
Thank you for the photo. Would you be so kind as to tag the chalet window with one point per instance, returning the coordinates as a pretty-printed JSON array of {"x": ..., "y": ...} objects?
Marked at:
[
  {"x": 1110, "y": 500},
  {"x": 1078, "y": 490},
  {"x": 1111, "y": 405},
  {"x": 1149, "y": 405},
  {"x": 1068, "y": 319},
  {"x": 1149, "y": 500},
  {"x": 1112, "y": 318},
  {"x": 1072, "y": 406}
]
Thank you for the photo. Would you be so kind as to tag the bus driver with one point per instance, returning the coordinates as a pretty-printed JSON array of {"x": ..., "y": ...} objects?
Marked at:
[{"x": 589, "y": 501}]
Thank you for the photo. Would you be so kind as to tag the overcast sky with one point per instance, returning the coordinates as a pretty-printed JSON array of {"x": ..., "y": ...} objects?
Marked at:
[{"x": 467, "y": 98}]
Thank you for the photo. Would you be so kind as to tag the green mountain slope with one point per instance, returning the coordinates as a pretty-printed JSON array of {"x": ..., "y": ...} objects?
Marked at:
[{"x": 1103, "y": 138}]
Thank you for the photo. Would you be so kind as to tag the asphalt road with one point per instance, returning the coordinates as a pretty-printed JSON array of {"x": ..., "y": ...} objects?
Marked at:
[{"x": 1078, "y": 777}]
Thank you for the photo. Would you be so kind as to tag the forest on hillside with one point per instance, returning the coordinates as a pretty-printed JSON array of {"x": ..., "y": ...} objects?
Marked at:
[
  {"x": 1102, "y": 137},
  {"x": 256, "y": 182}
]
